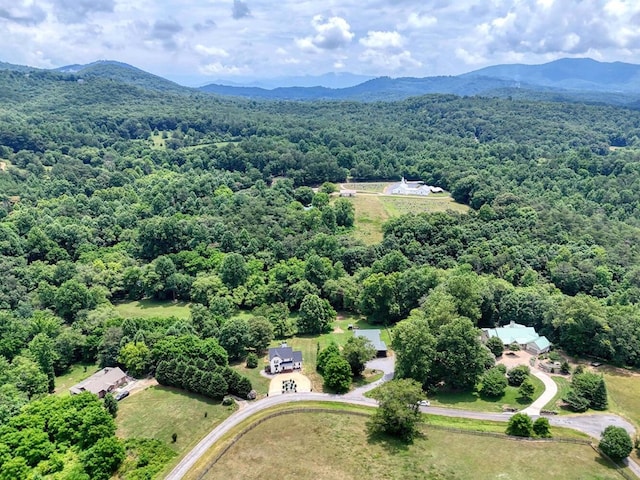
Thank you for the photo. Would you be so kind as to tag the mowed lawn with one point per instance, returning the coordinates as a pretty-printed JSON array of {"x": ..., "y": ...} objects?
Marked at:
[
  {"x": 309, "y": 345},
  {"x": 153, "y": 308},
  {"x": 76, "y": 374},
  {"x": 372, "y": 210},
  {"x": 158, "y": 412},
  {"x": 328, "y": 446},
  {"x": 474, "y": 401}
]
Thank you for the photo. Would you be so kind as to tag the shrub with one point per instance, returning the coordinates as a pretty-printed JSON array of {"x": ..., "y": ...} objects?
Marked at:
[
  {"x": 174, "y": 437},
  {"x": 252, "y": 360},
  {"x": 520, "y": 425},
  {"x": 493, "y": 383},
  {"x": 541, "y": 427},
  {"x": 565, "y": 368},
  {"x": 496, "y": 346},
  {"x": 518, "y": 374},
  {"x": 226, "y": 401},
  {"x": 616, "y": 443},
  {"x": 526, "y": 390},
  {"x": 514, "y": 347}
]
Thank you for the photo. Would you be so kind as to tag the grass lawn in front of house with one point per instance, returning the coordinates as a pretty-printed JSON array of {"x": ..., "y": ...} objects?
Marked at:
[
  {"x": 75, "y": 374},
  {"x": 474, "y": 401}
]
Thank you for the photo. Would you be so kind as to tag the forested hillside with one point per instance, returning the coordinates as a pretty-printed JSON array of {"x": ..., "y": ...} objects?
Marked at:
[{"x": 111, "y": 192}]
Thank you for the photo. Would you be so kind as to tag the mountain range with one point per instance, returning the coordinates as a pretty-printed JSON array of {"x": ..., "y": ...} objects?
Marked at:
[{"x": 569, "y": 79}]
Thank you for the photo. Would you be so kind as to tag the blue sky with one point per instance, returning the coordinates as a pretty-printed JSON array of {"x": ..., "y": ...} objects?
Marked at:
[{"x": 198, "y": 41}]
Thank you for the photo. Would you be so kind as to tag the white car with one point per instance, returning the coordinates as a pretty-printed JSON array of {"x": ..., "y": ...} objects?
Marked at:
[{"x": 424, "y": 403}]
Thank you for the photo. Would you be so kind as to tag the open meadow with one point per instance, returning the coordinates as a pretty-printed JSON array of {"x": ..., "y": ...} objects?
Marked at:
[
  {"x": 158, "y": 412},
  {"x": 153, "y": 308},
  {"x": 372, "y": 208},
  {"x": 330, "y": 446}
]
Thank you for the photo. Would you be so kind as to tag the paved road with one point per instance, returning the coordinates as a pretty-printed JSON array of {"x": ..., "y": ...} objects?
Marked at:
[
  {"x": 550, "y": 390},
  {"x": 592, "y": 425}
]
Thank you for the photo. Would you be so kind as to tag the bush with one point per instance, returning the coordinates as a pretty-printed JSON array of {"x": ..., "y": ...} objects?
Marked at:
[
  {"x": 517, "y": 375},
  {"x": 616, "y": 443},
  {"x": 514, "y": 347},
  {"x": 496, "y": 346},
  {"x": 493, "y": 383},
  {"x": 565, "y": 368},
  {"x": 541, "y": 427},
  {"x": 520, "y": 425},
  {"x": 252, "y": 360},
  {"x": 576, "y": 402},
  {"x": 526, "y": 390},
  {"x": 337, "y": 374},
  {"x": 226, "y": 401}
]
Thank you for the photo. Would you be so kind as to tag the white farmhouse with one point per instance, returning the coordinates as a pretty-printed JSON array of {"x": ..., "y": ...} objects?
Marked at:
[{"x": 284, "y": 359}]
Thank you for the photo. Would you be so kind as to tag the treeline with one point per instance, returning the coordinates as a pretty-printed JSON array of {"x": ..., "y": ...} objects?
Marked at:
[{"x": 110, "y": 192}]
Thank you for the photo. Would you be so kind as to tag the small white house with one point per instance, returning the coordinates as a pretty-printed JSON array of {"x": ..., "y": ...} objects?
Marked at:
[{"x": 284, "y": 359}]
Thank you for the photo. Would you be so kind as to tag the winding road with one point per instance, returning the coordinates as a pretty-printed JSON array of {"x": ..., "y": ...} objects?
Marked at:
[{"x": 592, "y": 425}]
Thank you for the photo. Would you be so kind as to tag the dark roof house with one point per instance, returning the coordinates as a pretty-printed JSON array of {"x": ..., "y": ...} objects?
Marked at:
[{"x": 284, "y": 358}]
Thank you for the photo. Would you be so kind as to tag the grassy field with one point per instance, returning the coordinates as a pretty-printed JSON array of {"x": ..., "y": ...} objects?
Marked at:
[
  {"x": 372, "y": 210},
  {"x": 474, "y": 401},
  {"x": 329, "y": 446},
  {"x": 158, "y": 412},
  {"x": 624, "y": 392},
  {"x": 152, "y": 308},
  {"x": 76, "y": 374}
]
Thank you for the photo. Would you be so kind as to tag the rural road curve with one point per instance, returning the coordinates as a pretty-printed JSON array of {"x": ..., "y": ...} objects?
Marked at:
[{"x": 592, "y": 425}]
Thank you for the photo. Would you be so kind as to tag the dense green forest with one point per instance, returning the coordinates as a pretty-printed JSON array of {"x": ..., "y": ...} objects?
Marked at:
[{"x": 110, "y": 192}]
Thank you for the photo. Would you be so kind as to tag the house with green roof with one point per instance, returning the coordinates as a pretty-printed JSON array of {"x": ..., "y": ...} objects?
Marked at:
[{"x": 526, "y": 337}]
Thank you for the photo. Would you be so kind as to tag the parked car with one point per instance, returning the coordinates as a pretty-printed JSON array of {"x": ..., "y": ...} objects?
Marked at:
[
  {"x": 424, "y": 403},
  {"x": 120, "y": 395},
  {"x": 596, "y": 364}
]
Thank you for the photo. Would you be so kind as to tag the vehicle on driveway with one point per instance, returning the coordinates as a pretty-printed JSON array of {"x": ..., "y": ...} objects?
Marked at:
[
  {"x": 424, "y": 403},
  {"x": 120, "y": 395}
]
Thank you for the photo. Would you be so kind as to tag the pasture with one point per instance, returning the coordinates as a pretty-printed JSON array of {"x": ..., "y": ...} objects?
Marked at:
[
  {"x": 373, "y": 208},
  {"x": 329, "y": 446}
]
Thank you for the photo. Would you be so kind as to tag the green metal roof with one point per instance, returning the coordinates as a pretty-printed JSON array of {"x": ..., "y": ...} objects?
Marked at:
[
  {"x": 541, "y": 343},
  {"x": 374, "y": 337}
]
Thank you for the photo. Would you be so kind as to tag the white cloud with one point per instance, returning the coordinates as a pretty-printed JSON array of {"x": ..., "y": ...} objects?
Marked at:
[
  {"x": 331, "y": 33},
  {"x": 386, "y": 49},
  {"x": 211, "y": 51},
  {"x": 217, "y": 68},
  {"x": 417, "y": 21}
]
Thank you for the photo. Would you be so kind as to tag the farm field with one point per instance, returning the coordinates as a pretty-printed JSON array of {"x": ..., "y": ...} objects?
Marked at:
[
  {"x": 325, "y": 446},
  {"x": 372, "y": 208},
  {"x": 153, "y": 308}
]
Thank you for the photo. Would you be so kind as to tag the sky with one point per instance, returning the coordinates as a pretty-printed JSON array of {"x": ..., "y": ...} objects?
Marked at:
[{"x": 198, "y": 41}]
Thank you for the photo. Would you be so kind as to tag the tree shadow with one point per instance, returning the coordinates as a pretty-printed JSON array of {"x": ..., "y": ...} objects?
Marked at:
[{"x": 392, "y": 445}]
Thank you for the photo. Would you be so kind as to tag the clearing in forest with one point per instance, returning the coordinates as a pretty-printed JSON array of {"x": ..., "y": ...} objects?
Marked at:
[
  {"x": 373, "y": 207},
  {"x": 153, "y": 308}
]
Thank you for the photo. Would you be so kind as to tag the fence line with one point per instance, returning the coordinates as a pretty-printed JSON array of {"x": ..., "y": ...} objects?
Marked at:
[
  {"x": 619, "y": 469},
  {"x": 511, "y": 437},
  {"x": 503, "y": 436}
]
